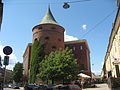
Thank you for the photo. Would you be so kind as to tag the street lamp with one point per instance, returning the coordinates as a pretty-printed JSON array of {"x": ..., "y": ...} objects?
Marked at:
[{"x": 66, "y": 5}]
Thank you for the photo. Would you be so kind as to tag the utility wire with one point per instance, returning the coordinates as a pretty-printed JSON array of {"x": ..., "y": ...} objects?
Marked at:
[
  {"x": 78, "y": 1},
  {"x": 90, "y": 30},
  {"x": 19, "y": 2}
]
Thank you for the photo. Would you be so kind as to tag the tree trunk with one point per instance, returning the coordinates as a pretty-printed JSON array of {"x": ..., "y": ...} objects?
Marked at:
[{"x": 52, "y": 81}]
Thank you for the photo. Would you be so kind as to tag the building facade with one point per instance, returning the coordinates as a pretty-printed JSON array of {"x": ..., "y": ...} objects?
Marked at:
[
  {"x": 82, "y": 54},
  {"x": 111, "y": 67},
  {"x": 26, "y": 61},
  {"x": 52, "y": 34}
]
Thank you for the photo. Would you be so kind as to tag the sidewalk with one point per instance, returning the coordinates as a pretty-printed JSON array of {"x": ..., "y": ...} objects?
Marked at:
[{"x": 99, "y": 87}]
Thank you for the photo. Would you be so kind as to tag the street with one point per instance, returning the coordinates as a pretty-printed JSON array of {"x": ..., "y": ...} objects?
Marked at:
[{"x": 99, "y": 87}]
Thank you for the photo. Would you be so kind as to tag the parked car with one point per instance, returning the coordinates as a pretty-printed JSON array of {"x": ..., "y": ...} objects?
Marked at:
[
  {"x": 34, "y": 87},
  {"x": 10, "y": 85},
  {"x": 5, "y": 86},
  {"x": 50, "y": 87},
  {"x": 15, "y": 86},
  {"x": 29, "y": 86},
  {"x": 69, "y": 87}
]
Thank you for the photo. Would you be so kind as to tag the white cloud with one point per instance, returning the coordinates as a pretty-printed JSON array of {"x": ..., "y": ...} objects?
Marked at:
[
  {"x": 84, "y": 27},
  {"x": 12, "y": 58},
  {"x": 69, "y": 38}
]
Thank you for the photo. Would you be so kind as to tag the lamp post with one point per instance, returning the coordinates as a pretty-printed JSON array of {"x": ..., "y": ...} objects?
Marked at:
[{"x": 66, "y": 5}]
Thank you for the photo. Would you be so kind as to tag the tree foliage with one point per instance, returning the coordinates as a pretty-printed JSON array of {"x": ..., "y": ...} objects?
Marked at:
[
  {"x": 59, "y": 65},
  {"x": 37, "y": 54},
  {"x": 18, "y": 72}
]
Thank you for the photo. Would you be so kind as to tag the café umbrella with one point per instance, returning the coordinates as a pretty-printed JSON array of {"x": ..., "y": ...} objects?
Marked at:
[{"x": 82, "y": 75}]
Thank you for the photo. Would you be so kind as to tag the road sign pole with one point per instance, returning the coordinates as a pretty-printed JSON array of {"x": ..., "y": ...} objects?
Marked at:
[{"x": 4, "y": 74}]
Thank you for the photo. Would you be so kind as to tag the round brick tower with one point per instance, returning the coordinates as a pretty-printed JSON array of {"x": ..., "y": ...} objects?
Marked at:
[{"x": 49, "y": 32}]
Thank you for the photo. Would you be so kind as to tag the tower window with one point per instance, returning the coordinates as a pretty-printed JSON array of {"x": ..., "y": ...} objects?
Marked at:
[
  {"x": 39, "y": 27},
  {"x": 54, "y": 47},
  {"x": 53, "y": 28},
  {"x": 35, "y": 39},
  {"x": 46, "y": 38}
]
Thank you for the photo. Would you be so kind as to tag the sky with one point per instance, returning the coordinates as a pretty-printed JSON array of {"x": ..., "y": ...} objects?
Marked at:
[{"x": 85, "y": 19}]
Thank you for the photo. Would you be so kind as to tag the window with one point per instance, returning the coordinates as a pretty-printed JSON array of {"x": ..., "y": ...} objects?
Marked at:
[
  {"x": 39, "y": 27},
  {"x": 119, "y": 35},
  {"x": 46, "y": 38},
  {"x": 82, "y": 67},
  {"x": 59, "y": 39},
  {"x": 117, "y": 70},
  {"x": 54, "y": 47},
  {"x": 73, "y": 48},
  {"x": 35, "y": 39},
  {"x": 81, "y": 57},
  {"x": 53, "y": 28},
  {"x": 81, "y": 47}
]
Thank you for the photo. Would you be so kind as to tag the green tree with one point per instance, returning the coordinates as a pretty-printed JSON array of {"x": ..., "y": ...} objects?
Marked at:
[
  {"x": 37, "y": 54},
  {"x": 59, "y": 65},
  {"x": 18, "y": 72}
]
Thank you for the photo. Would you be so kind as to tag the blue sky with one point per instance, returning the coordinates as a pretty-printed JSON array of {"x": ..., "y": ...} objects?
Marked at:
[{"x": 91, "y": 20}]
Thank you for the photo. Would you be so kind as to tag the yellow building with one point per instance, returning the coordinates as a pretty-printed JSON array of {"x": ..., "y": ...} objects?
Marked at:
[{"x": 111, "y": 65}]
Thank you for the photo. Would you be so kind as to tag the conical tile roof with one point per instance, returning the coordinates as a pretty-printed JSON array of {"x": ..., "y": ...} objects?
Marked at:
[{"x": 48, "y": 18}]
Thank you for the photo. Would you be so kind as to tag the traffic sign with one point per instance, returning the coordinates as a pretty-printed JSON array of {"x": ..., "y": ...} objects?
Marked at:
[{"x": 7, "y": 50}]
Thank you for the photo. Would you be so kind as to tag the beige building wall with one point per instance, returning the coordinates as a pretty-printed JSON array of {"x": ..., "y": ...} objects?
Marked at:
[{"x": 113, "y": 51}]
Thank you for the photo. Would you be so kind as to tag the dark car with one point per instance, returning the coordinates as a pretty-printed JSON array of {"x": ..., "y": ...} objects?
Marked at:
[
  {"x": 69, "y": 87},
  {"x": 15, "y": 86},
  {"x": 50, "y": 87},
  {"x": 34, "y": 87}
]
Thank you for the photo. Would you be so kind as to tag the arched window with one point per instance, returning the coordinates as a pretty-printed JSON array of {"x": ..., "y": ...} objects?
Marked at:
[{"x": 35, "y": 39}]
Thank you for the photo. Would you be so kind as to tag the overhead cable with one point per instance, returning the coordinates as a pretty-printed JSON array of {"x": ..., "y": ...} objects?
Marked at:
[{"x": 91, "y": 29}]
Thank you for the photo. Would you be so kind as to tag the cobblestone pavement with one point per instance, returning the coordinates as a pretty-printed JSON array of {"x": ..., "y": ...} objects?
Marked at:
[{"x": 99, "y": 87}]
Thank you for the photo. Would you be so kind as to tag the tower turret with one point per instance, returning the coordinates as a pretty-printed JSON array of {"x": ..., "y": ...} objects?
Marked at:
[{"x": 49, "y": 32}]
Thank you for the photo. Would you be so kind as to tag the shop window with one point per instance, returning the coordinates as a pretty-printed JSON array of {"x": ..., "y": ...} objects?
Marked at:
[{"x": 117, "y": 70}]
